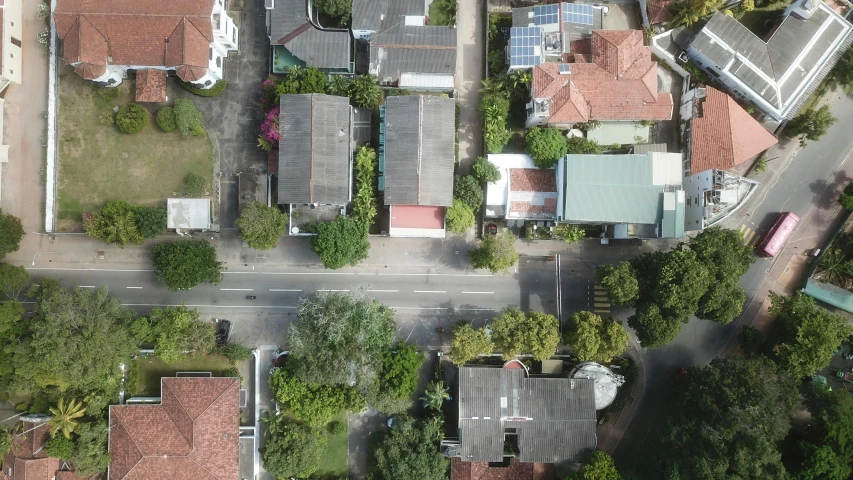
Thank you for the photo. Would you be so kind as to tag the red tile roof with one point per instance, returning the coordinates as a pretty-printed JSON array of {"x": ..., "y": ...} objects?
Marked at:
[
  {"x": 658, "y": 11},
  {"x": 157, "y": 33},
  {"x": 27, "y": 459},
  {"x": 151, "y": 85},
  {"x": 620, "y": 83},
  {"x": 532, "y": 191},
  {"x": 193, "y": 434},
  {"x": 516, "y": 470},
  {"x": 725, "y": 135},
  {"x": 417, "y": 216}
]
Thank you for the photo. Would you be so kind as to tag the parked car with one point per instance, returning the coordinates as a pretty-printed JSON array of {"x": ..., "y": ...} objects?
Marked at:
[{"x": 223, "y": 331}]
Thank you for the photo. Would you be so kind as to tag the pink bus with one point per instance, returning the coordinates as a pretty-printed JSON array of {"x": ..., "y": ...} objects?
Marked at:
[{"x": 777, "y": 235}]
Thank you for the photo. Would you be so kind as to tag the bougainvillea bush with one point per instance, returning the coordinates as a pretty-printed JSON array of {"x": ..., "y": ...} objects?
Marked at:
[{"x": 270, "y": 135}]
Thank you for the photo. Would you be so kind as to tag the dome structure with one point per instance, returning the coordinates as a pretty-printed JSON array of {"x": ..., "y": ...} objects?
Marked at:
[{"x": 606, "y": 382}]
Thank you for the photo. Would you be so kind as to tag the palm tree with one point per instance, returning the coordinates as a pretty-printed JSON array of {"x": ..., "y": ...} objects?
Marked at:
[
  {"x": 521, "y": 78},
  {"x": 494, "y": 86},
  {"x": 64, "y": 417},
  {"x": 435, "y": 395},
  {"x": 339, "y": 85}
]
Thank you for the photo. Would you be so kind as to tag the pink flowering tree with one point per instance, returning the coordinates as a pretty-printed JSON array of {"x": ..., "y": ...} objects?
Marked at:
[{"x": 270, "y": 135}]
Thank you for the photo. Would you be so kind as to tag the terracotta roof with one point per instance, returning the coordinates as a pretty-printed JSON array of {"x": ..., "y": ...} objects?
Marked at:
[
  {"x": 151, "y": 85},
  {"x": 533, "y": 191},
  {"x": 658, "y": 11},
  {"x": 516, "y": 470},
  {"x": 193, "y": 434},
  {"x": 725, "y": 135},
  {"x": 620, "y": 82},
  {"x": 157, "y": 33},
  {"x": 27, "y": 459}
]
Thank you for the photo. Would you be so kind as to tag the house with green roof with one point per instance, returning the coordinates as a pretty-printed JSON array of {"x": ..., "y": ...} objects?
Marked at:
[{"x": 630, "y": 196}]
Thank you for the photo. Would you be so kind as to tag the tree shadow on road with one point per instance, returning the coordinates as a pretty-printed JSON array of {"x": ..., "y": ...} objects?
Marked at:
[{"x": 826, "y": 193}]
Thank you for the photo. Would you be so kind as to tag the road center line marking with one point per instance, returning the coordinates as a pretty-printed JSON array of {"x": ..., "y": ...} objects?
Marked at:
[
  {"x": 257, "y": 307},
  {"x": 484, "y": 293},
  {"x": 284, "y": 290},
  {"x": 430, "y": 291},
  {"x": 86, "y": 286},
  {"x": 384, "y": 291},
  {"x": 134, "y": 287},
  {"x": 236, "y": 289}
]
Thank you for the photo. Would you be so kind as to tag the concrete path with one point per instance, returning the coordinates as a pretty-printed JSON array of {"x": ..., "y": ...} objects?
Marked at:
[{"x": 470, "y": 45}]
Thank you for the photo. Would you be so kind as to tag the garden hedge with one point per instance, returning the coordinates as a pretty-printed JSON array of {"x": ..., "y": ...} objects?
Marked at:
[
  {"x": 166, "y": 119},
  {"x": 131, "y": 118},
  {"x": 213, "y": 91}
]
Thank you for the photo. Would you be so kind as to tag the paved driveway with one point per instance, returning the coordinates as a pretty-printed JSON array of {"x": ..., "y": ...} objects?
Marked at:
[{"x": 470, "y": 44}]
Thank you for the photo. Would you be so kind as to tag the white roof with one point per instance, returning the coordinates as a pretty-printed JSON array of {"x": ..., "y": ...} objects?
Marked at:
[
  {"x": 426, "y": 80},
  {"x": 188, "y": 213},
  {"x": 497, "y": 192}
]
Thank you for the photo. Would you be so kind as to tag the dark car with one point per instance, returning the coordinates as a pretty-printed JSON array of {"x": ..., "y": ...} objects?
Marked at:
[
  {"x": 492, "y": 229},
  {"x": 223, "y": 331}
]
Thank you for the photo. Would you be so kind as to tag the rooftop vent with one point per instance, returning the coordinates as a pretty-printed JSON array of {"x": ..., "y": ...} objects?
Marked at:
[
  {"x": 565, "y": 69},
  {"x": 701, "y": 92}
]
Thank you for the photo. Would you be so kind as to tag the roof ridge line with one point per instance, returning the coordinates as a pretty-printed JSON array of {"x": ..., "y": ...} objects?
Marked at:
[
  {"x": 133, "y": 440},
  {"x": 311, "y": 163},
  {"x": 192, "y": 421},
  {"x": 420, "y": 141},
  {"x": 80, "y": 34}
]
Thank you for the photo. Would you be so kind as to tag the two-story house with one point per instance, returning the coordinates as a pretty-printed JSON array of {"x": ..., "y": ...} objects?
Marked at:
[{"x": 105, "y": 39}]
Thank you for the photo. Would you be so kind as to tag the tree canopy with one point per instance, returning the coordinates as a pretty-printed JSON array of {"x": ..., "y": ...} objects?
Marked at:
[
  {"x": 459, "y": 217},
  {"x": 294, "y": 450},
  {"x": 810, "y": 334},
  {"x": 515, "y": 332},
  {"x": 184, "y": 264},
  {"x": 261, "y": 226},
  {"x": 13, "y": 280},
  {"x": 469, "y": 343},
  {"x": 580, "y": 145},
  {"x": 11, "y": 233},
  {"x": 178, "y": 331},
  {"x": 409, "y": 451},
  {"x": 312, "y": 403},
  {"x": 496, "y": 252},
  {"x": 594, "y": 338},
  {"x": 363, "y": 90},
  {"x": 467, "y": 190},
  {"x": 150, "y": 221},
  {"x": 620, "y": 281},
  {"x": 545, "y": 146},
  {"x": 400, "y": 366},
  {"x": 115, "y": 223},
  {"x": 90, "y": 454},
  {"x": 341, "y": 242},
  {"x": 811, "y": 124},
  {"x": 485, "y": 171},
  {"x": 600, "y": 466},
  {"x": 339, "y": 339}
]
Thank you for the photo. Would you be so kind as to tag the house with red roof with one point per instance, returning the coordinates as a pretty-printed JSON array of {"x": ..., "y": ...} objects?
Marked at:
[
  {"x": 524, "y": 192},
  {"x": 27, "y": 459},
  {"x": 616, "y": 82},
  {"x": 105, "y": 39},
  {"x": 192, "y": 434}
]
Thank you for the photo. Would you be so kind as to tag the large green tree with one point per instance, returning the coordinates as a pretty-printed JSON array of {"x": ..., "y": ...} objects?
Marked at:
[
  {"x": 496, "y": 252},
  {"x": 90, "y": 455},
  {"x": 467, "y": 189},
  {"x": 365, "y": 92},
  {"x": 150, "y": 221},
  {"x": 261, "y": 226},
  {"x": 409, "y": 451},
  {"x": 295, "y": 450},
  {"x": 178, "y": 331},
  {"x": 115, "y": 223},
  {"x": 600, "y": 466},
  {"x": 485, "y": 171},
  {"x": 810, "y": 334},
  {"x": 459, "y": 217},
  {"x": 725, "y": 254},
  {"x": 811, "y": 124},
  {"x": 312, "y": 403},
  {"x": 341, "y": 242},
  {"x": 515, "y": 332},
  {"x": 13, "y": 280},
  {"x": 184, "y": 264},
  {"x": 76, "y": 341},
  {"x": 339, "y": 339},
  {"x": 545, "y": 146},
  {"x": 620, "y": 281},
  {"x": 11, "y": 233},
  {"x": 312, "y": 80},
  {"x": 468, "y": 343},
  {"x": 400, "y": 366},
  {"x": 594, "y": 338},
  {"x": 822, "y": 463}
]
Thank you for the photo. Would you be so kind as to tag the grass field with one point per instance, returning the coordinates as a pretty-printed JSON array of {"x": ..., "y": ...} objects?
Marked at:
[
  {"x": 98, "y": 163},
  {"x": 151, "y": 369},
  {"x": 334, "y": 462}
]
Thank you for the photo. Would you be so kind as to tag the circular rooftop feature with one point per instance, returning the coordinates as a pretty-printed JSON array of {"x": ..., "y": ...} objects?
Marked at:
[{"x": 606, "y": 382}]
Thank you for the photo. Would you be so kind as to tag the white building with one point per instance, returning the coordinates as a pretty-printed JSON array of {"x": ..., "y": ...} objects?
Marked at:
[
  {"x": 712, "y": 196},
  {"x": 105, "y": 39},
  {"x": 12, "y": 57}
]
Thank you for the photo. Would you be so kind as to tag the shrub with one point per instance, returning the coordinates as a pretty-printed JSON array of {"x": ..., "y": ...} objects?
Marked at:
[
  {"x": 194, "y": 186},
  {"x": 459, "y": 217},
  {"x": 269, "y": 129},
  {"x": 59, "y": 447},
  {"x": 485, "y": 171},
  {"x": 337, "y": 428},
  {"x": 365, "y": 92},
  {"x": 115, "y": 223},
  {"x": 468, "y": 190},
  {"x": 545, "y": 146},
  {"x": 166, "y": 119},
  {"x": 107, "y": 94},
  {"x": 131, "y": 118},
  {"x": 213, "y": 91},
  {"x": 187, "y": 117},
  {"x": 106, "y": 118},
  {"x": 150, "y": 221},
  {"x": 235, "y": 352}
]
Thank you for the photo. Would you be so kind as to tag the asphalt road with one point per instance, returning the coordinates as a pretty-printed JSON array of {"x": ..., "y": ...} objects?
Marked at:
[{"x": 810, "y": 180}]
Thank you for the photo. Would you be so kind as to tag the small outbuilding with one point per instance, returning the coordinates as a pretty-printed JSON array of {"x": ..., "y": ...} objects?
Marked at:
[{"x": 188, "y": 214}]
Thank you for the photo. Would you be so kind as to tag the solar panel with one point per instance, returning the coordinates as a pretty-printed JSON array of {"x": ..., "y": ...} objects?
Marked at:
[
  {"x": 546, "y": 14},
  {"x": 525, "y": 45},
  {"x": 577, "y": 13}
]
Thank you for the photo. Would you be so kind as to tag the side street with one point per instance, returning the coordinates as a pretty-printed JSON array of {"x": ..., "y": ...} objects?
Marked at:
[{"x": 405, "y": 240}]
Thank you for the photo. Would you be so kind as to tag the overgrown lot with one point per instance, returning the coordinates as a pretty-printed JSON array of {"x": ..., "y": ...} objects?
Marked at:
[
  {"x": 98, "y": 164},
  {"x": 150, "y": 369}
]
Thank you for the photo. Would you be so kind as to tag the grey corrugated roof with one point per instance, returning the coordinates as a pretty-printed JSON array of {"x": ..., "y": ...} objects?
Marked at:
[
  {"x": 554, "y": 418},
  {"x": 419, "y": 150},
  {"x": 367, "y": 14},
  {"x": 402, "y": 48},
  {"x": 644, "y": 148},
  {"x": 290, "y": 26},
  {"x": 314, "y": 150}
]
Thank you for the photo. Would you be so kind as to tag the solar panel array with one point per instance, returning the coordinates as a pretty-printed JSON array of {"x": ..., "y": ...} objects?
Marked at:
[
  {"x": 546, "y": 14},
  {"x": 525, "y": 45},
  {"x": 577, "y": 13}
]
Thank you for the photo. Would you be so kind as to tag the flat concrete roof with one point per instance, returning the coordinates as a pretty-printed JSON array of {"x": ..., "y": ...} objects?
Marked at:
[{"x": 188, "y": 213}]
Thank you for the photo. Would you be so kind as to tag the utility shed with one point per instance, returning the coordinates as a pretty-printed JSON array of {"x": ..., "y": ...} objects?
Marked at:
[
  {"x": 552, "y": 420},
  {"x": 188, "y": 213}
]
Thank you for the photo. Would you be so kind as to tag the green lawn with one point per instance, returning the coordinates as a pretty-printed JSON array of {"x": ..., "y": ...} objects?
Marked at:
[
  {"x": 334, "y": 462},
  {"x": 151, "y": 369},
  {"x": 98, "y": 164}
]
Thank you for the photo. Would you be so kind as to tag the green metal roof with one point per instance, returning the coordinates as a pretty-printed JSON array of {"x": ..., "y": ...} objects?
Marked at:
[
  {"x": 829, "y": 294},
  {"x": 619, "y": 188},
  {"x": 672, "y": 224}
]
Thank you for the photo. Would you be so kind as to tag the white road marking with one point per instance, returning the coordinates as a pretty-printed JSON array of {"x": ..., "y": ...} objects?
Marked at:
[
  {"x": 86, "y": 286},
  {"x": 375, "y": 274},
  {"x": 430, "y": 291},
  {"x": 284, "y": 290},
  {"x": 384, "y": 291},
  {"x": 484, "y": 293},
  {"x": 236, "y": 289},
  {"x": 134, "y": 287}
]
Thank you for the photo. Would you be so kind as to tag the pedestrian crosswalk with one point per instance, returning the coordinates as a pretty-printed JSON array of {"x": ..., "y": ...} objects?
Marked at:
[
  {"x": 598, "y": 302},
  {"x": 751, "y": 236}
]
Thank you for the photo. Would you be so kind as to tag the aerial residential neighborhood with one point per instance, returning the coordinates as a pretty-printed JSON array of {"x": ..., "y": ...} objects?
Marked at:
[{"x": 426, "y": 240}]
